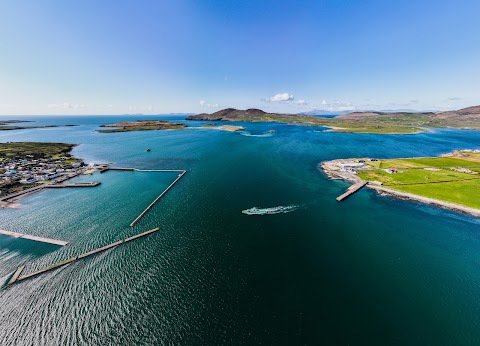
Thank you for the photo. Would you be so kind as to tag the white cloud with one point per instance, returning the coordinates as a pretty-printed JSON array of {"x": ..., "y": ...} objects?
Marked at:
[
  {"x": 285, "y": 98},
  {"x": 67, "y": 105},
  {"x": 204, "y": 103}
]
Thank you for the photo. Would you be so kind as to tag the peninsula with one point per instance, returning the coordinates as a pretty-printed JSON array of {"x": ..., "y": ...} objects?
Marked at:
[
  {"x": 361, "y": 122},
  {"x": 451, "y": 181},
  {"x": 142, "y": 125}
]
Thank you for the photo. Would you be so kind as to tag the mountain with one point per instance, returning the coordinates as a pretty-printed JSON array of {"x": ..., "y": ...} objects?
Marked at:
[
  {"x": 232, "y": 114},
  {"x": 366, "y": 122},
  {"x": 465, "y": 113}
]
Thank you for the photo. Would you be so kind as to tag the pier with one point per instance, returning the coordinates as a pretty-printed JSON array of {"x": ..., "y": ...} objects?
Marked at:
[
  {"x": 52, "y": 184},
  {"x": 16, "y": 277},
  {"x": 33, "y": 237},
  {"x": 92, "y": 184},
  {"x": 117, "y": 169},
  {"x": 157, "y": 199},
  {"x": 351, "y": 190},
  {"x": 56, "y": 184}
]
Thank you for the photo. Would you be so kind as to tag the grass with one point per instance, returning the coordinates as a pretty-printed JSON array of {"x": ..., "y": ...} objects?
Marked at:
[
  {"x": 415, "y": 176},
  {"x": 438, "y": 162},
  {"x": 36, "y": 149},
  {"x": 459, "y": 192},
  {"x": 435, "y": 177}
]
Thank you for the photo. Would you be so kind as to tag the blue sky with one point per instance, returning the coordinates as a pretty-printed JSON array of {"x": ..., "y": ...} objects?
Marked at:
[{"x": 115, "y": 57}]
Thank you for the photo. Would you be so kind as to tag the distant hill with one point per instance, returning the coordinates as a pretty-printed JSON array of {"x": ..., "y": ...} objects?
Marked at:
[
  {"x": 465, "y": 114},
  {"x": 232, "y": 114},
  {"x": 365, "y": 122}
]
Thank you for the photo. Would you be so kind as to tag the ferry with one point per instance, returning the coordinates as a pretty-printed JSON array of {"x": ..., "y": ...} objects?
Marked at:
[
  {"x": 257, "y": 211},
  {"x": 269, "y": 211}
]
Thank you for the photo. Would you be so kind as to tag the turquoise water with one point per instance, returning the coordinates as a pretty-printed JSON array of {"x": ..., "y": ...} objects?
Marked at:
[{"x": 370, "y": 270}]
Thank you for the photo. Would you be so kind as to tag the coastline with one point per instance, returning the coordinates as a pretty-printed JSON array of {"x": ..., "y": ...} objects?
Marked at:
[
  {"x": 352, "y": 178},
  {"x": 229, "y": 128},
  {"x": 426, "y": 200}
]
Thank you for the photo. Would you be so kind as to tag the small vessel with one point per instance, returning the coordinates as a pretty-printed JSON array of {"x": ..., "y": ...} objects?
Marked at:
[
  {"x": 256, "y": 211},
  {"x": 148, "y": 149},
  {"x": 269, "y": 211}
]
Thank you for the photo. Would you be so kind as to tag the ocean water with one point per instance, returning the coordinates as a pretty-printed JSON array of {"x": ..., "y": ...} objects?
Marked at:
[{"x": 369, "y": 270}]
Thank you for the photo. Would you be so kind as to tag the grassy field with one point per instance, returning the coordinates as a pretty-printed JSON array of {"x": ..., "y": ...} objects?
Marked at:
[
  {"x": 36, "y": 149},
  {"x": 440, "y": 178},
  {"x": 437, "y": 162},
  {"x": 462, "y": 192}
]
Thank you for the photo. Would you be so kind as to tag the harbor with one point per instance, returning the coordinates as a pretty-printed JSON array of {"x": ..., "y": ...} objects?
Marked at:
[
  {"x": 17, "y": 276},
  {"x": 56, "y": 183}
]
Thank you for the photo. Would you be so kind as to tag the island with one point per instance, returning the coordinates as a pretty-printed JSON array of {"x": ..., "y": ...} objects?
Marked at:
[
  {"x": 6, "y": 125},
  {"x": 141, "y": 125},
  {"x": 30, "y": 166},
  {"x": 360, "y": 122},
  {"x": 451, "y": 181}
]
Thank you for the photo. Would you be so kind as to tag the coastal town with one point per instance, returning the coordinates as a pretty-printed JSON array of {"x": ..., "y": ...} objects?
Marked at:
[
  {"x": 30, "y": 167},
  {"x": 18, "y": 174}
]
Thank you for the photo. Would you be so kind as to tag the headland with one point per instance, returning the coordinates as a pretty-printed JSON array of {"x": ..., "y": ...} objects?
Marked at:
[{"x": 450, "y": 181}]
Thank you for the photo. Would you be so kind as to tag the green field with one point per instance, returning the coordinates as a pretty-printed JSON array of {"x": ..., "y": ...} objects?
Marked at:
[
  {"x": 438, "y": 162},
  {"x": 437, "y": 177},
  {"x": 463, "y": 192},
  {"x": 36, "y": 149}
]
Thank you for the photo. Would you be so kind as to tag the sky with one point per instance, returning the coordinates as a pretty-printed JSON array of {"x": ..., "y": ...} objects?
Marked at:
[{"x": 178, "y": 56}]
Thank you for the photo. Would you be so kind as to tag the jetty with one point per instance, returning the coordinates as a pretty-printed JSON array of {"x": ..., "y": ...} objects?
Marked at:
[
  {"x": 116, "y": 169},
  {"x": 157, "y": 199},
  {"x": 108, "y": 168},
  {"x": 34, "y": 237},
  {"x": 16, "y": 276},
  {"x": 54, "y": 183},
  {"x": 351, "y": 190},
  {"x": 92, "y": 184}
]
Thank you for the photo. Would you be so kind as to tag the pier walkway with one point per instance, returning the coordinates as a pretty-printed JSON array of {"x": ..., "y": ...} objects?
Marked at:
[
  {"x": 92, "y": 184},
  {"x": 351, "y": 190},
  {"x": 34, "y": 237},
  {"x": 158, "y": 198},
  {"x": 16, "y": 276}
]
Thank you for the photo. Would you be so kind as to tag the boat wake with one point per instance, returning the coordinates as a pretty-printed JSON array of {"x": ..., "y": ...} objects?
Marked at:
[
  {"x": 248, "y": 134},
  {"x": 270, "y": 211}
]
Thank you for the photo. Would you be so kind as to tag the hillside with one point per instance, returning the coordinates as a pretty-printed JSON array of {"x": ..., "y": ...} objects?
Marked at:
[
  {"x": 362, "y": 122},
  {"x": 232, "y": 114}
]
